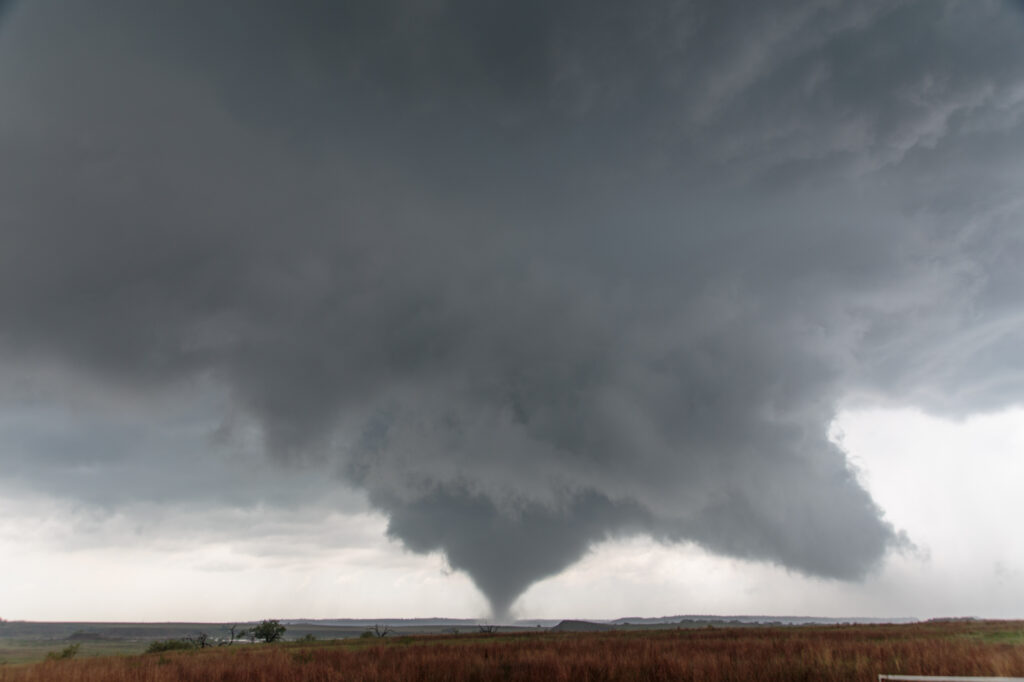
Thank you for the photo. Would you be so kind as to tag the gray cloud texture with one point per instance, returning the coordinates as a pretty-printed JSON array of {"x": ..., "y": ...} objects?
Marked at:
[{"x": 529, "y": 274}]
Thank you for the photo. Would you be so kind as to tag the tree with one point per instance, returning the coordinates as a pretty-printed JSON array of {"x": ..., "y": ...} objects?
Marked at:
[
  {"x": 268, "y": 630},
  {"x": 200, "y": 641},
  {"x": 236, "y": 634}
]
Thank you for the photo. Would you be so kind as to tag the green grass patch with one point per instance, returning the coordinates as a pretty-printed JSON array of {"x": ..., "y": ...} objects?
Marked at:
[
  {"x": 17, "y": 651},
  {"x": 998, "y": 636}
]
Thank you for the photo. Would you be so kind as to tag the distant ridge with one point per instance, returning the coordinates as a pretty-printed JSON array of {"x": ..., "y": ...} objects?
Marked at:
[
  {"x": 756, "y": 620},
  {"x": 689, "y": 619},
  {"x": 581, "y": 626}
]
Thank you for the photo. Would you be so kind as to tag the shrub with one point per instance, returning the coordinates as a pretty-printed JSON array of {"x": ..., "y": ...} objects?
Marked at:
[
  {"x": 169, "y": 645},
  {"x": 67, "y": 652}
]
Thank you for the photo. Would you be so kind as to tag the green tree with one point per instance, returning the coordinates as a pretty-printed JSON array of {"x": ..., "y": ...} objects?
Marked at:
[{"x": 268, "y": 630}]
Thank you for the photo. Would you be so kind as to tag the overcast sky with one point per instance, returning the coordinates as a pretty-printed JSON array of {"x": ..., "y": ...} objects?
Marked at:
[{"x": 511, "y": 309}]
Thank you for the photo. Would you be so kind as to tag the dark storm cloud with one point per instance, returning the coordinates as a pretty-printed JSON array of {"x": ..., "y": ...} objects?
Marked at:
[{"x": 530, "y": 274}]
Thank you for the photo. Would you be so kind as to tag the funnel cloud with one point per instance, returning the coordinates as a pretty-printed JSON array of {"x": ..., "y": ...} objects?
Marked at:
[{"x": 532, "y": 275}]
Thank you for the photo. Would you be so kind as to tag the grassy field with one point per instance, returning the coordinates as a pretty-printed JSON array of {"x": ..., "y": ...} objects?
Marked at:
[
  {"x": 769, "y": 654},
  {"x": 27, "y": 642},
  {"x": 20, "y": 651},
  {"x": 15, "y": 651}
]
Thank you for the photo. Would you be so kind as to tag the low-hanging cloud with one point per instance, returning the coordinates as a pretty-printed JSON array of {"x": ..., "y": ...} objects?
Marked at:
[{"x": 531, "y": 275}]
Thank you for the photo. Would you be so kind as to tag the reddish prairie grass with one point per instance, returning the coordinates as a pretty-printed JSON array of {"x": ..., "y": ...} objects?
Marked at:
[{"x": 788, "y": 654}]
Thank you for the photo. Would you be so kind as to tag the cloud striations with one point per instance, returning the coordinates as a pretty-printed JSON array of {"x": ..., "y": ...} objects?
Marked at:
[{"x": 530, "y": 274}]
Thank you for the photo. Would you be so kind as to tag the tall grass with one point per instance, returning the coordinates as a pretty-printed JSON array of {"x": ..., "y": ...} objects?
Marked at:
[{"x": 788, "y": 654}]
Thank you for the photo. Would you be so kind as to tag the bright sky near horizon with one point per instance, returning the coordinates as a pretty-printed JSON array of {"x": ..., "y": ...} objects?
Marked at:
[
  {"x": 950, "y": 485},
  {"x": 483, "y": 308}
]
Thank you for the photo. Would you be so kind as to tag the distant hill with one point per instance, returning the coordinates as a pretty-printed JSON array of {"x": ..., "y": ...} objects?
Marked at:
[
  {"x": 338, "y": 628},
  {"x": 581, "y": 626},
  {"x": 754, "y": 620}
]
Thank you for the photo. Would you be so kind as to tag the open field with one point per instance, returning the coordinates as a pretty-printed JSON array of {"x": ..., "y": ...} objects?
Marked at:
[
  {"x": 768, "y": 654},
  {"x": 16, "y": 651},
  {"x": 29, "y": 642}
]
